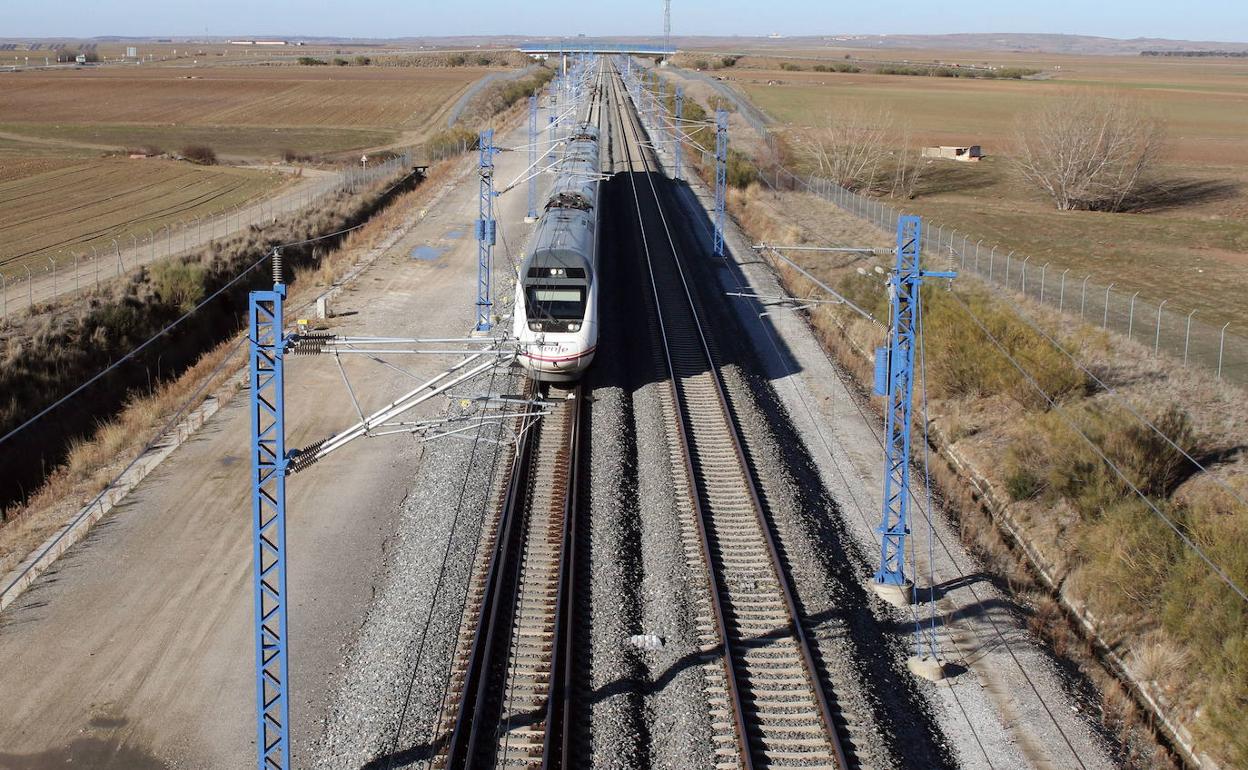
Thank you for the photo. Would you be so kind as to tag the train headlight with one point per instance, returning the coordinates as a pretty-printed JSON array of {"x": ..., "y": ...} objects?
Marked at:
[
  {"x": 535, "y": 326},
  {"x": 574, "y": 327}
]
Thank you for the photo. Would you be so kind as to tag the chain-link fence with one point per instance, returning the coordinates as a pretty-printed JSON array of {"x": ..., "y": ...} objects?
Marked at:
[
  {"x": 78, "y": 268},
  {"x": 1164, "y": 326}
]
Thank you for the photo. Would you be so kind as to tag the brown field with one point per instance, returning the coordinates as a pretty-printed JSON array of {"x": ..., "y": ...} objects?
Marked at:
[
  {"x": 63, "y": 205},
  {"x": 240, "y": 111},
  {"x": 62, "y": 186},
  {"x": 1192, "y": 250}
]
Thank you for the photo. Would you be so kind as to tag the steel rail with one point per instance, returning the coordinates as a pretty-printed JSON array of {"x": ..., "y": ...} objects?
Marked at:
[
  {"x": 751, "y": 751},
  {"x": 485, "y": 715},
  {"x": 459, "y": 745},
  {"x": 721, "y": 623},
  {"x": 491, "y": 720}
]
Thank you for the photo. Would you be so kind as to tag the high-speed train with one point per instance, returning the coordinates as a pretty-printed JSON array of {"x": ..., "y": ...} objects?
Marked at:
[{"x": 556, "y": 317}]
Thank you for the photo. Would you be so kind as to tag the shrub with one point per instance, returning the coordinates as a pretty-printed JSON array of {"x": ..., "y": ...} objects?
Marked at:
[
  {"x": 483, "y": 61},
  {"x": 363, "y": 61},
  {"x": 294, "y": 156},
  {"x": 741, "y": 171},
  {"x": 729, "y": 61},
  {"x": 963, "y": 363},
  {"x": 340, "y": 62},
  {"x": 701, "y": 64},
  {"x": 200, "y": 154},
  {"x": 453, "y": 141},
  {"x": 1011, "y": 73},
  {"x": 310, "y": 61},
  {"x": 501, "y": 95},
  {"x": 1128, "y": 553},
  {"x": 1210, "y": 620},
  {"x": 821, "y": 68},
  {"x": 179, "y": 284},
  {"x": 889, "y": 69},
  {"x": 1022, "y": 483},
  {"x": 790, "y": 67},
  {"x": 458, "y": 60}
]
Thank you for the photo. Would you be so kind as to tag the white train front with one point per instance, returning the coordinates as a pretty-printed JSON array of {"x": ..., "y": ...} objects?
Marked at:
[{"x": 556, "y": 317}]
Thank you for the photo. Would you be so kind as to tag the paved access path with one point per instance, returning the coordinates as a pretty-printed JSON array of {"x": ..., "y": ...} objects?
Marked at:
[{"x": 136, "y": 650}]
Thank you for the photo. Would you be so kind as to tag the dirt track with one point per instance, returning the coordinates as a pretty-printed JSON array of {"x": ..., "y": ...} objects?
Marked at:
[{"x": 135, "y": 650}]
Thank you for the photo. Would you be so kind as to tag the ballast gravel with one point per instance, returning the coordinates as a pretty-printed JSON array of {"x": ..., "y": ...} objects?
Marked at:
[{"x": 395, "y": 672}]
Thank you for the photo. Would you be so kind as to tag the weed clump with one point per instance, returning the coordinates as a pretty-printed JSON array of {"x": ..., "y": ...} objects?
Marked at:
[{"x": 200, "y": 154}]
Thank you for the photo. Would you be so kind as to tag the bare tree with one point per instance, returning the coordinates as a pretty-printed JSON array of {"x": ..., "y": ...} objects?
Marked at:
[
  {"x": 1089, "y": 150},
  {"x": 908, "y": 172},
  {"x": 851, "y": 147}
]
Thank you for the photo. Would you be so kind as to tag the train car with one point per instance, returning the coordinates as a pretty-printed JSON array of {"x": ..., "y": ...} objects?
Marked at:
[{"x": 556, "y": 316}]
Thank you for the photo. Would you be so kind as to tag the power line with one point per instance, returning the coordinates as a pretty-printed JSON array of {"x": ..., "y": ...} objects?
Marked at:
[
  {"x": 1057, "y": 409},
  {"x": 1127, "y": 405},
  {"x": 146, "y": 343}
]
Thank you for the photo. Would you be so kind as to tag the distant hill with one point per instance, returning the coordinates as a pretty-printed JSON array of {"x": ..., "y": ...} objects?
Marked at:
[
  {"x": 1071, "y": 44},
  {"x": 1006, "y": 41},
  {"x": 1009, "y": 41}
]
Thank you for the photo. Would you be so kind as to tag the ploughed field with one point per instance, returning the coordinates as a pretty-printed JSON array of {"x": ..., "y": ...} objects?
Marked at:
[
  {"x": 65, "y": 181},
  {"x": 51, "y": 205},
  {"x": 255, "y": 112}
]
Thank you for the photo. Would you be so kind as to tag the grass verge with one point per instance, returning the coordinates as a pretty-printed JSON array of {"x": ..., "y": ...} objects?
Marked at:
[{"x": 1150, "y": 599}]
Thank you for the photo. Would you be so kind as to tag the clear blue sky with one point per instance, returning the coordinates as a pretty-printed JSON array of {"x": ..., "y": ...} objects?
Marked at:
[{"x": 1225, "y": 20}]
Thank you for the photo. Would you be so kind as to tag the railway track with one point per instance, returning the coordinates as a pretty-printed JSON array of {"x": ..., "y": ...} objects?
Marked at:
[
  {"x": 512, "y": 671},
  {"x": 772, "y": 710}
]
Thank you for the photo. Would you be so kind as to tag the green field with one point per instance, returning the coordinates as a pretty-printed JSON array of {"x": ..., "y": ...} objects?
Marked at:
[
  {"x": 1192, "y": 250},
  {"x": 228, "y": 141}
]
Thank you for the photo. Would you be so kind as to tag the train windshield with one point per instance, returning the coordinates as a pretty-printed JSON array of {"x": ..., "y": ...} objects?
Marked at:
[{"x": 556, "y": 303}]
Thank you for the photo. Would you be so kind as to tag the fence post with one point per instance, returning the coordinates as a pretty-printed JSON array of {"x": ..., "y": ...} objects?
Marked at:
[
  {"x": 1222, "y": 347},
  {"x": 1008, "y": 257},
  {"x": 52, "y": 262},
  {"x": 30, "y": 292},
  {"x": 1105, "y": 320},
  {"x": 151, "y": 241},
  {"x": 1187, "y": 338},
  {"x": 121, "y": 266},
  {"x": 977, "y": 245},
  {"x": 1043, "y": 270},
  {"x": 95, "y": 257},
  {"x": 1131, "y": 316},
  {"x": 1083, "y": 303},
  {"x": 1061, "y": 302},
  {"x": 1157, "y": 336},
  {"x": 992, "y": 258},
  {"x": 77, "y": 283},
  {"x": 1025, "y": 261},
  {"x": 4, "y": 282}
]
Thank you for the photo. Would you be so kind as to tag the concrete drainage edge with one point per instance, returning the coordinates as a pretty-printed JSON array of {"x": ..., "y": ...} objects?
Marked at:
[
  {"x": 982, "y": 492},
  {"x": 41, "y": 558}
]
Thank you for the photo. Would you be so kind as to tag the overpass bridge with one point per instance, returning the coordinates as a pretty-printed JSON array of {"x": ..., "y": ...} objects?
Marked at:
[{"x": 561, "y": 47}]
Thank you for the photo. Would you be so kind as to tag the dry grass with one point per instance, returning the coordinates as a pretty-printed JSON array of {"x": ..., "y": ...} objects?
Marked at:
[
  {"x": 1153, "y": 600},
  {"x": 94, "y": 460},
  {"x": 1187, "y": 244}
]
